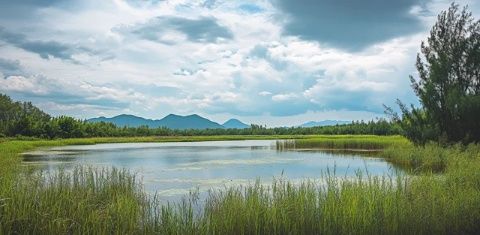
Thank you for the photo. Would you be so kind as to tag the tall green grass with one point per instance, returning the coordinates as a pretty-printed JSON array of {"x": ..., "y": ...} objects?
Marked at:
[
  {"x": 426, "y": 203},
  {"x": 357, "y": 142},
  {"x": 84, "y": 201},
  {"x": 109, "y": 201},
  {"x": 431, "y": 157}
]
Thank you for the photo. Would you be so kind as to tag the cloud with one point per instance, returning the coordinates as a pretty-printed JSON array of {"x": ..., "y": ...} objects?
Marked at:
[
  {"x": 24, "y": 8},
  {"x": 209, "y": 3},
  {"x": 45, "y": 49},
  {"x": 284, "y": 97},
  {"x": 250, "y": 8},
  {"x": 165, "y": 29},
  {"x": 262, "y": 52},
  {"x": 43, "y": 89},
  {"x": 10, "y": 67},
  {"x": 347, "y": 24},
  {"x": 337, "y": 96},
  {"x": 187, "y": 72},
  {"x": 265, "y": 93}
]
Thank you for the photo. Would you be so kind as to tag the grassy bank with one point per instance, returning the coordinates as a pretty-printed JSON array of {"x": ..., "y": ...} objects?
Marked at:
[
  {"x": 357, "y": 142},
  {"x": 109, "y": 201}
]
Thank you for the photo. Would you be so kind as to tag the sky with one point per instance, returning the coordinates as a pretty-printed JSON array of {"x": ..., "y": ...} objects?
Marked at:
[{"x": 272, "y": 62}]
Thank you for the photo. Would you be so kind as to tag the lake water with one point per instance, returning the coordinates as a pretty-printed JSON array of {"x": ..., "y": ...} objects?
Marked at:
[{"x": 174, "y": 169}]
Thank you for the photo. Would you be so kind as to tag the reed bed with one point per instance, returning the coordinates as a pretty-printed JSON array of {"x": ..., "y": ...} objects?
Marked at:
[
  {"x": 431, "y": 157},
  {"x": 111, "y": 201},
  {"x": 354, "y": 142},
  {"x": 83, "y": 201}
]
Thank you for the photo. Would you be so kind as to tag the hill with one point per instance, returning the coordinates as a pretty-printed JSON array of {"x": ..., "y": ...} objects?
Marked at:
[
  {"x": 235, "y": 124},
  {"x": 324, "y": 123}
]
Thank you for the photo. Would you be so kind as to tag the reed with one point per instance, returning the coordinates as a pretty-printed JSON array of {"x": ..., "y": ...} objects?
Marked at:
[{"x": 354, "y": 142}]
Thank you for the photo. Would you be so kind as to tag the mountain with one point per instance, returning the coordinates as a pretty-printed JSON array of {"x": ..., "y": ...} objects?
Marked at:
[
  {"x": 187, "y": 122},
  {"x": 170, "y": 121},
  {"x": 235, "y": 124},
  {"x": 324, "y": 123},
  {"x": 125, "y": 120}
]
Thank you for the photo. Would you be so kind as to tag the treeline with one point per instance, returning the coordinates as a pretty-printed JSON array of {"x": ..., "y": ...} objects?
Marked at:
[{"x": 24, "y": 119}]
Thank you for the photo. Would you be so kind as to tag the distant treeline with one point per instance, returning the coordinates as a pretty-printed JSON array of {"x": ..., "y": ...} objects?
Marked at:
[{"x": 24, "y": 119}]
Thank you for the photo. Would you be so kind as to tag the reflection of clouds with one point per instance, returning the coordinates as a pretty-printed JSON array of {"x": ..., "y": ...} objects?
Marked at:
[
  {"x": 202, "y": 185},
  {"x": 184, "y": 169},
  {"x": 214, "y": 186},
  {"x": 201, "y": 182},
  {"x": 173, "y": 192},
  {"x": 268, "y": 160},
  {"x": 49, "y": 153}
]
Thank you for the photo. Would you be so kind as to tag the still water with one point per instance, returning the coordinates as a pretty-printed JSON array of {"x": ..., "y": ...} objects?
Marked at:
[{"x": 173, "y": 169}]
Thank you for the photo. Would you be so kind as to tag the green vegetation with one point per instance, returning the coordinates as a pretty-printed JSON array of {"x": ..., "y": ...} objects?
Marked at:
[
  {"x": 82, "y": 202},
  {"x": 449, "y": 83},
  {"x": 357, "y": 142},
  {"x": 422, "y": 205},
  {"x": 104, "y": 201}
]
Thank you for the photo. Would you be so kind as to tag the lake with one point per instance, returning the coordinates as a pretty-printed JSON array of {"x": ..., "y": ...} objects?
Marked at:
[{"x": 174, "y": 169}]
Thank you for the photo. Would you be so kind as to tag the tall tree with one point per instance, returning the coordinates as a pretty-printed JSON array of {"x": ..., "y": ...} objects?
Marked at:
[{"x": 448, "y": 85}]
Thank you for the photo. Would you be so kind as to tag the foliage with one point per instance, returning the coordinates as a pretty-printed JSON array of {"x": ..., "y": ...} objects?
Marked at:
[
  {"x": 24, "y": 119},
  {"x": 18, "y": 118},
  {"x": 449, "y": 82},
  {"x": 343, "y": 142}
]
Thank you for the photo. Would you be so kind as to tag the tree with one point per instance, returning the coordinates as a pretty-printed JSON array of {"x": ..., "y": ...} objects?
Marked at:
[{"x": 448, "y": 85}]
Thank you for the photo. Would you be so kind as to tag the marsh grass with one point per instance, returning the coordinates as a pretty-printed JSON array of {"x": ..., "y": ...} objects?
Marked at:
[
  {"x": 431, "y": 157},
  {"x": 110, "y": 201},
  {"x": 82, "y": 201},
  {"x": 357, "y": 142}
]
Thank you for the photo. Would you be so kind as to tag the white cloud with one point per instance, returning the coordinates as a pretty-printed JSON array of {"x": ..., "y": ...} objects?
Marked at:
[
  {"x": 284, "y": 97},
  {"x": 22, "y": 84},
  {"x": 265, "y": 93}
]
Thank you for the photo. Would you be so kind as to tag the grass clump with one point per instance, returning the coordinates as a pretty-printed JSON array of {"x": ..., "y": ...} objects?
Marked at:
[
  {"x": 431, "y": 157},
  {"x": 344, "y": 142},
  {"x": 336, "y": 207},
  {"x": 81, "y": 202}
]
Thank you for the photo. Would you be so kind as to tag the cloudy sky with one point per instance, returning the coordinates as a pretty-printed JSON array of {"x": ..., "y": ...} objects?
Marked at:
[{"x": 274, "y": 62}]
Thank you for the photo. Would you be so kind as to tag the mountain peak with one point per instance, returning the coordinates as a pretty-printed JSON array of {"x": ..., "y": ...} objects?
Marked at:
[
  {"x": 235, "y": 124},
  {"x": 126, "y": 115},
  {"x": 324, "y": 123},
  {"x": 172, "y": 116},
  {"x": 192, "y": 121},
  {"x": 123, "y": 120},
  {"x": 194, "y": 116}
]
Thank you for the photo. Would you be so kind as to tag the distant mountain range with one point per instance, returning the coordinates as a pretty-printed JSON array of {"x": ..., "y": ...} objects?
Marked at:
[
  {"x": 324, "y": 123},
  {"x": 193, "y": 121},
  {"x": 171, "y": 121}
]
